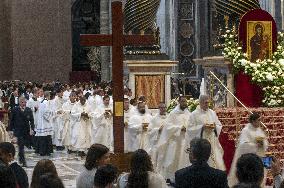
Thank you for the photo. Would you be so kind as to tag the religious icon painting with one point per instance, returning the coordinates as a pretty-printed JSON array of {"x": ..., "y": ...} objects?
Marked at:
[{"x": 259, "y": 40}]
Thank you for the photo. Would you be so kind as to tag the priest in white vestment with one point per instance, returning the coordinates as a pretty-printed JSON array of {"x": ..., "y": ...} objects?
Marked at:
[
  {"x": 40, "y": 95},
  {"x": 81, "y": 133},
  {"x": 103, "y": 124},
  {"x": 66, "y": 93},
  {"x": 1, "y": 102},
  {"x": 68, "y": 124},
  {"x": 91, "y": 100},
  {"x": 99, "y": 98},
  {"x": 96, "y": 99},
  {"x": 33, "y": 104},
  {"x": 252, "y": 140},
  {"x": 44, "y": 129},
  {"x": 58, "y": 120},
  {"x": 4, "y": 135},
  {"x": 172, "y": 144},
  {"x": 204, "y": 123},
  {"x": 127, "y": 114},
  {"x": 154, "y": 131},
  {"x": 137, "y": 129}
]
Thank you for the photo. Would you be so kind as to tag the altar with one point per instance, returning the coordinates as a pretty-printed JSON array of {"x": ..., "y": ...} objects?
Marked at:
[{"x": 221, "y": 67}]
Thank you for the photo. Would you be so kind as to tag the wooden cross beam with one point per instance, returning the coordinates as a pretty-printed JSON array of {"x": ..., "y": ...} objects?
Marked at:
[{"x": 117, "y": 40}]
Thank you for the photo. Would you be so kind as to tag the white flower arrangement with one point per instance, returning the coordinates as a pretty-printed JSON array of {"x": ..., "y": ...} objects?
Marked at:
[
  {"x": 191, "y": 104},
  {"x": 268, "y": 73}
]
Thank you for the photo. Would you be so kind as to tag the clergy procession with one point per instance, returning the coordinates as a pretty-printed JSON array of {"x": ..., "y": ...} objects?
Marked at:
[
  {"x": 73, "y": 120},
  {"x": 142, "y": 94}
]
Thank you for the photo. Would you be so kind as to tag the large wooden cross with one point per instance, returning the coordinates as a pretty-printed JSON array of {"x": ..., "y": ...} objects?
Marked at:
[{"x": 117, "y": 40}]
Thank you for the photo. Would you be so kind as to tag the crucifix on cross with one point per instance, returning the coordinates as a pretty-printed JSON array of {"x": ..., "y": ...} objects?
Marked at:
[{"x": 117, "y": 40}]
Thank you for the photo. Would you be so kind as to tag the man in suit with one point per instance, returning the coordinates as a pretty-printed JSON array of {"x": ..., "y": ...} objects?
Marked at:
[
  {"x": 7, "y": 155},
  {"x": 21, "y": 126},
  {"x": 14, "y": 99},
  {"x": 200, "y": 174}
]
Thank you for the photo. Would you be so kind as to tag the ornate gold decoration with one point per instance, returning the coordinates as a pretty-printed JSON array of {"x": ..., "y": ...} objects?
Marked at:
[
  {"x": 239, "y": 7},
  {"x": 151, "y": 86},
  {"x": 118, "y": 109},
  {"x": 94, "y": 56},
  {"x": 140, "y": 15},
  {"x": 140, "y": 18},
  {"x": 186, "y": 30}
]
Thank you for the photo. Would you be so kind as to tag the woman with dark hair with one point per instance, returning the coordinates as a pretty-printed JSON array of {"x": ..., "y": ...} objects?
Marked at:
[
  {"x": 141, "y": 173},
  {"x": 98, "y": 155},
  {"x": 50, "y": 180},
  {"x": 7, "y": 177},
  {"x": 252, "y": 139},
  {"x": 44, "y": 166}
]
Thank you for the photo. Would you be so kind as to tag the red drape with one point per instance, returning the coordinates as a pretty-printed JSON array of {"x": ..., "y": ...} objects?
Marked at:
[
  {"x": 229, "y": 150},
  {"x": 247, "y": 92}
]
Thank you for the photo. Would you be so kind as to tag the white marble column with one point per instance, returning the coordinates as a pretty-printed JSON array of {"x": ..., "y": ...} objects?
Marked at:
[
  {"x": 282, "y": 14},
  {"x": 167, "y": 22},
  {"x": 277, "y": 14},
  {"x": 105, "y": 29},
  {"x": 266, "y": 5},
  {"x": 275, "y": 8}
]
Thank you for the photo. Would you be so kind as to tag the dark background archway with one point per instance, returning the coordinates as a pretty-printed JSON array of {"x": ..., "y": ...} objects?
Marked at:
[{"x": 85, "y": 20}]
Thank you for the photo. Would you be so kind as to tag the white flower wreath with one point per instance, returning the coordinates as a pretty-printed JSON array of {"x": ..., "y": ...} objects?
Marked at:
[{"x": 268, "y": 73}]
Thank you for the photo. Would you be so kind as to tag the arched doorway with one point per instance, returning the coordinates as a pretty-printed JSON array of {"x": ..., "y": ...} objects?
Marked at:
[{"x": 85, "y": 20}]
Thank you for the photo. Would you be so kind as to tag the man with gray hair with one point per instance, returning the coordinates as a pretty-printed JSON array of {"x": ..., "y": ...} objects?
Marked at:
[
  {"x": 21, "y": 126},
  {"x": 204, "y": 123}
]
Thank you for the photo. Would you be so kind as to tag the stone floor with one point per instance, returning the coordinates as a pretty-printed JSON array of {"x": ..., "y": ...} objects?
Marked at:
[{"x": 68, "y": 165}]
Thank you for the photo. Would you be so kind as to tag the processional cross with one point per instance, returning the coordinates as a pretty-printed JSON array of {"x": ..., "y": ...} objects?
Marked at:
[{"x": 117, "y": 40}]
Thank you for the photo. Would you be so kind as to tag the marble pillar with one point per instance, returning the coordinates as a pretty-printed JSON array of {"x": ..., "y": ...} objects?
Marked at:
[
  {"x": 266, "y": 5},
  {"x": 167, "y": 22},
  {"x": 278, "y": 15},
  {"x": 105, "y": 29},
  {"x": 282, "y": 14},
  {"x": 6, "y": 60},
  {"x": 275, "y": 8}
]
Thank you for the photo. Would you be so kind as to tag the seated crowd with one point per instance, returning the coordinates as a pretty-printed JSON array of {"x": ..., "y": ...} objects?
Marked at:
[{"x": 98, "y": 173}]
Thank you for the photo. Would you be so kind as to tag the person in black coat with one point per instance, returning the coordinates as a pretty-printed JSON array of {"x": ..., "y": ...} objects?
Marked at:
[
  {"x": 21, "y": 126},
  {"x": 14, "y": 99},
  {"x": 7, "y": 155},
  {"x": 200, "y": 174}
]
